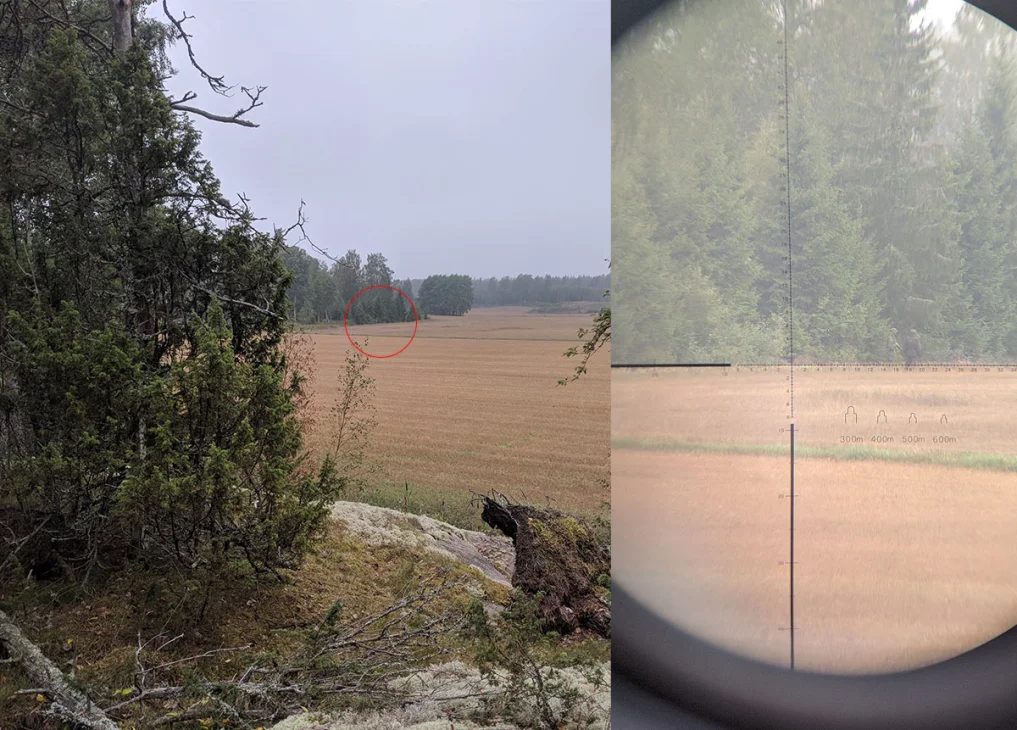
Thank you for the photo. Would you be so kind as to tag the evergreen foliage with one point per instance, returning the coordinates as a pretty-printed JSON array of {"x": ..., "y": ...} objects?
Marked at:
[
  {"x": 148, "y": 407},
  {"x": 449, "y": 294},
  {"x": 320, "y": 294},
  {"x": 528, "y": 290},
  {"x": 903, "y": 149}
]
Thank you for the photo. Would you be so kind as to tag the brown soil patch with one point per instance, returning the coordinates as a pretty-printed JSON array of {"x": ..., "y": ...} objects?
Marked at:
[
  {"x": 898, "y": 565},
  {"x": 461, "y": 409},
  {"x": 749, "y": 407}
]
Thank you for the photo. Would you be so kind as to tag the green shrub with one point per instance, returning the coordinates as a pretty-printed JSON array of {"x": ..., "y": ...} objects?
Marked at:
[{"x": 199, "y": 468}]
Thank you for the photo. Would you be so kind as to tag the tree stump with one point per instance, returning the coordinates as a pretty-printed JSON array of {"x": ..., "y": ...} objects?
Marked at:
[{"x": 557, "y": 556}]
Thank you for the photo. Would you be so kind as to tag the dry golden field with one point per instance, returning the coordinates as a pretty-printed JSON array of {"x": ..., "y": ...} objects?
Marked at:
[
  {"x": 473, "y": 404},
  {"x": 906, "y": 551}
]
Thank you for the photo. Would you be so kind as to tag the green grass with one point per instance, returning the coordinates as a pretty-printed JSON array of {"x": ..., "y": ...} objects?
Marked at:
[
  {"x": 955, "y": 459},
  {"x": 448, "y": 505},
  {"x": 477, "y": 338},
  {"x": 454, "y": 506},
  {"x": 568, "y": 308},
  {"x": 588, "y": 650}
]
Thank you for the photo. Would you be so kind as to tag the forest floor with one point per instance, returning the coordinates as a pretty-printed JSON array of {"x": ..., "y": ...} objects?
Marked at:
[{"x": 904, "y": 548}]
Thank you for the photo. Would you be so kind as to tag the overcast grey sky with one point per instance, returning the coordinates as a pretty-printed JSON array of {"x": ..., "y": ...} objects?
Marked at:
[{"x": 453, "y": 136}]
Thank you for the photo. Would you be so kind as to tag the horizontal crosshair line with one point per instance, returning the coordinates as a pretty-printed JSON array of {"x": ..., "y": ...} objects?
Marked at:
[
  {"x": 799, "y": 365},
  {"x": 673, "y": 365},
  {"x": 815, "y": 365}
]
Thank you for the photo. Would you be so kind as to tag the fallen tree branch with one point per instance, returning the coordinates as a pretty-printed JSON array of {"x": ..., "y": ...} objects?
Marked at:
[
  {"x": 362, "y": 658},
  {"x": 197, "y": 711},
  {"x": 68, "y": 702}
]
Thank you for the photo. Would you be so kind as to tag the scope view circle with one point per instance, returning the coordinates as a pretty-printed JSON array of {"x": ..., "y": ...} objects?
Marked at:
[
  {"x": 902, "y": 435},
  {"x": 346, "y": 316}
]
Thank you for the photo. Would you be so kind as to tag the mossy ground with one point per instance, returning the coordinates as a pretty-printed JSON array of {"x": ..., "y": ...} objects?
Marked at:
[{"x": 96, "y": 631}]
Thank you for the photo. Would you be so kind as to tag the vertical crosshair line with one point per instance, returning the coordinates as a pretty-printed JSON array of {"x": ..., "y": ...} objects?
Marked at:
[
  {"x": 791, "y": 323},
  {"x": 792, "y": 592},
  {"x": 787, "y": 172}
]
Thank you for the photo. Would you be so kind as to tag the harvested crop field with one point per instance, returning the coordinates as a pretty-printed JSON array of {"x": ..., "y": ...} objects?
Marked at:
[
  {"x": 905, "y": 550},
  {"x": 473, "y": 404}
]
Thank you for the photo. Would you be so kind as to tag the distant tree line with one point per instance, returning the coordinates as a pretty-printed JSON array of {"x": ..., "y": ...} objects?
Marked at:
[
  {"x": 447, "y": 294},
  {"x": 319, "y": 293},
  {"x": 527, "y": 290}
]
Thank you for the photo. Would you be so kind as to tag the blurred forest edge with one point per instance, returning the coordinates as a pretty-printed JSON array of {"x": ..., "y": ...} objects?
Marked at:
[
  {"x": 903, "y": 189},
  {"x": 320, "y": 293}
]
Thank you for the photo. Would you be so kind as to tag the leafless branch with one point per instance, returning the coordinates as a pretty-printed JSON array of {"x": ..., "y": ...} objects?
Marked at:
[
  {"x": 235, "y": 119},
  {"x": 188, "y": 96},
  {"x": 239, "y": 302},
  {"x": 196, "y": 657},
  {"x": 216, "y": 83},
  {"x": 197, "y": 711},
  {"x": 359, "y": 659},
  {"x": 299, "y": 226}
]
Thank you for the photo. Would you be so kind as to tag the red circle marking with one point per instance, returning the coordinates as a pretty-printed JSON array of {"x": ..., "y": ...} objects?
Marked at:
[{"x": 346, "y": 317}]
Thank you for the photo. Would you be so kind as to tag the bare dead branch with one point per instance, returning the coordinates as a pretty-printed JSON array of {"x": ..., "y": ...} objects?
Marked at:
[
  {"x": 205, "y": 655},
  {"x": 361, "y": 659},
  {"x": 235, "y": 119},
  {"x": 299, "y": 226},
  {"x": 216, "y": 83},
  {"x": 197, "y": 711},
  {"x": 66, "y": 23},
  {"x": 251, "y": 689},
  {"x": 188, "y": 96},
  {"x": 239, "y": 302}
]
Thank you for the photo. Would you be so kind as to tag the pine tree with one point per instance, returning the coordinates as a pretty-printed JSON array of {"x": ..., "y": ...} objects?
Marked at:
[
  {"x": 835, "y": 303},
  {"x": 987, "y": 165}
]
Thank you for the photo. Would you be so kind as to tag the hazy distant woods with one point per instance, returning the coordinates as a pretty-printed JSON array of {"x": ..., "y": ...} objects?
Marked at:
[
  {"x": 526, "y": 290},
  {"x": 903, "y": 184},
  {"x": 319, "y": 293}
]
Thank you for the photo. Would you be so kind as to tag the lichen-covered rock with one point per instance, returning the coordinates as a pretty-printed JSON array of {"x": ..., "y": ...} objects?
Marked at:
[
  {"x": 455, "y": 694},
  {"x": 492, "y": 555},
  {"x": 377, "y": 721},
  {"x": 447, "y": 695}
]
